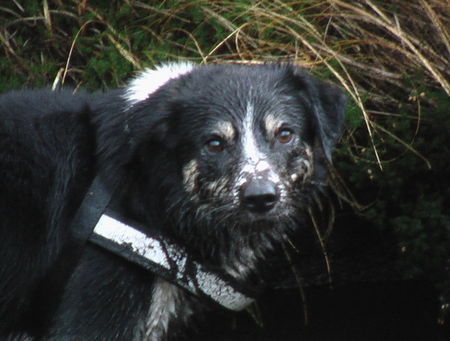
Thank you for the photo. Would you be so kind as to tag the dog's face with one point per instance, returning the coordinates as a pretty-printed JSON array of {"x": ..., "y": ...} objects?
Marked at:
[
  {"x": 245, "y": 146},
  {"x": 249, "y": 141},
  {"x": 249, "y": 151}
]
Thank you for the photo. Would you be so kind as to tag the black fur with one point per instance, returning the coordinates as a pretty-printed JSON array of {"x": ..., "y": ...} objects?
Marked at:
[{"x": 52, "y": 144}]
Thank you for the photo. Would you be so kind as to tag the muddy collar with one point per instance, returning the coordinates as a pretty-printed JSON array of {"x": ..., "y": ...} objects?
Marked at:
[{"x": 100, "y": 225}]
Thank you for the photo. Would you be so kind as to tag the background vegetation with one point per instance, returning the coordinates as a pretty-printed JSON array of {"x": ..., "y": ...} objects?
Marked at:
[{"x": 392, "y": 57}]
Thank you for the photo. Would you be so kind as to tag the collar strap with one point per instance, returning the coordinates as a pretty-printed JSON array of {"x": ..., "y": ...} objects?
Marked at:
[
  {"x": 154, "y": 253},
  {"x": 166, "y": 259}
]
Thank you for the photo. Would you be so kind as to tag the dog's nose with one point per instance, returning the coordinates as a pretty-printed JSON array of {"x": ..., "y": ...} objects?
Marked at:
[{"x": 259, "y": 196}]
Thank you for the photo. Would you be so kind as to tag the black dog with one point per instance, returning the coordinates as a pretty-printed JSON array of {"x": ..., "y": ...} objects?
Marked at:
[{"x": 222, "y": 159}]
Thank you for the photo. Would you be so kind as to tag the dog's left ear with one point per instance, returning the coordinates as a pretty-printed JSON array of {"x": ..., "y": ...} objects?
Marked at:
[{"x": 328, "y": 104}]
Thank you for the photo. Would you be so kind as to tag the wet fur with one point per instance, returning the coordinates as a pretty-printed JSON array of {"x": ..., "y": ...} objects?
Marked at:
[{"x": 154, "y": 145}]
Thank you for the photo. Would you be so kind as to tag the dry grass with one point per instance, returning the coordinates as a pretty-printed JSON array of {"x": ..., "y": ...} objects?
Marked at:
[{"x": 384, "y": 53}]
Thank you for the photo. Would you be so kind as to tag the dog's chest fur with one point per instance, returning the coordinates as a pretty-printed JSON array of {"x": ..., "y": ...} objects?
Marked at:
[{"x": 168, "y": 302}]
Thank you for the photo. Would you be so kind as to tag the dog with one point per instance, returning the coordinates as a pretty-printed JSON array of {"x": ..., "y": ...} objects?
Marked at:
[{"x": 222, "y": 159}]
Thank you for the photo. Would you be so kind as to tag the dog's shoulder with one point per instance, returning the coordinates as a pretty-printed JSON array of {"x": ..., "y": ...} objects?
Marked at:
[{"x": 40, "y": 129}]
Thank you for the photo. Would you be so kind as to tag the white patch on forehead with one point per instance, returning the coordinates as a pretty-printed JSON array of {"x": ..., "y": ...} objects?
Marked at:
[
  {"x": 149, "y": 81},
  {"x": 251, "y": 152},
  {"x": 255, "y": 162}
]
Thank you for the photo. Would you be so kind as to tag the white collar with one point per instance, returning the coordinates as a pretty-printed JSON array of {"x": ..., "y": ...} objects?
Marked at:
[{"x": 168, "y": 260}]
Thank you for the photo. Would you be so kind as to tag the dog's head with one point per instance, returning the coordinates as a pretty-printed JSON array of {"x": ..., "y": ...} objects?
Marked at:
[{"x": 245, "y": 144}]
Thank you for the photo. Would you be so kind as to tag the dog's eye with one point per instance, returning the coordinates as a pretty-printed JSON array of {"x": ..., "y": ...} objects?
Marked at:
[
  {"x": 215, "y": 145},
  {"x": 285, "y": 135}
]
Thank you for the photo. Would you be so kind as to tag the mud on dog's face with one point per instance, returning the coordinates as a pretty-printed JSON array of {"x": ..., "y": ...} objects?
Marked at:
[
  {"x": 253, "y": 161},
  {"x": 251, "y": 142}
]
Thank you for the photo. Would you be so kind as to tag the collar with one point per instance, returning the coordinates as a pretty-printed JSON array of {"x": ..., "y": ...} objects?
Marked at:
[
  {"x": 167, "y": 260},
  {"x": 102, "y": 226}
]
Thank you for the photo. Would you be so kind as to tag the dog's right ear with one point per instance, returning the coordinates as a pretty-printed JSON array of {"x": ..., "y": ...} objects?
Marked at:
[{"x": 327, "y": 103}]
